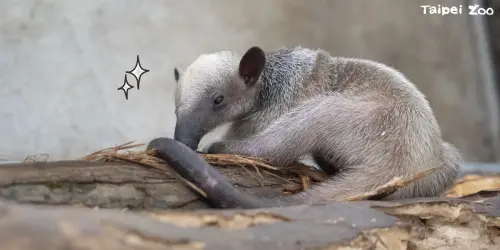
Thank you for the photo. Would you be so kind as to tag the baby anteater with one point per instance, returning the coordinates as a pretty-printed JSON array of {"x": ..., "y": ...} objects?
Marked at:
[{"x": 361, "y": 120}]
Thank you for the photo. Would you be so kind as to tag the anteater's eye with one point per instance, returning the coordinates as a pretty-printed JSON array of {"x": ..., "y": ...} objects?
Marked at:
[{"x": 218, "y": 99}]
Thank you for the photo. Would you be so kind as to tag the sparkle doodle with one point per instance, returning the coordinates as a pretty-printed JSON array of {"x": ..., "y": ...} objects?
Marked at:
[{"x": 137, "y": 72}]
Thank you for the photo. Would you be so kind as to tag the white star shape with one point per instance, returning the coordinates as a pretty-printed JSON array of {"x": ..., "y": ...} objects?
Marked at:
[
  {"x": 125, "y": 87},
  {"x": 138, "y": 71}
]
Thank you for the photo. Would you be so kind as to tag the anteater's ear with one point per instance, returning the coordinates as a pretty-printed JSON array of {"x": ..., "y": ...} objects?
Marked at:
[
  {"x": 177, "y": 74},
  {"x": 251, "y": 65}
]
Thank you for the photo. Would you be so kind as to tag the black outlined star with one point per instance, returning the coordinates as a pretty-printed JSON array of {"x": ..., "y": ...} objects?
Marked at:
[
  {"x": 138, "y": 71},
  {"x": 125, "y": 87}
]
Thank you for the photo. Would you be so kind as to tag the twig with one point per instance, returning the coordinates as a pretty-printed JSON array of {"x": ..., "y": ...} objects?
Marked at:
[{"x": 391, "y": 186}]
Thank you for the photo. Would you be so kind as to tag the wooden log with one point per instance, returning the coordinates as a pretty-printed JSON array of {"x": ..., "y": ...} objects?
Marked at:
[
  {"x": 120, "y": 185},
  {"x": 433, "y": 223},
  {"x": 471, "y": 222}
]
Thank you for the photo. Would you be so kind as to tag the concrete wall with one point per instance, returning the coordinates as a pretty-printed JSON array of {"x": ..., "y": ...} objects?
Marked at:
[{"x": 61, "y": 63}]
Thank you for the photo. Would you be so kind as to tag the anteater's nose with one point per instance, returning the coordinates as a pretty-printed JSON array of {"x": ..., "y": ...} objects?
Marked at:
[{"x": 188, "y": 134}]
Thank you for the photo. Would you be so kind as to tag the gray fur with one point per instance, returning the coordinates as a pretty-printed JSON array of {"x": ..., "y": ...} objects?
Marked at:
[{"x": 364, "y": 118}]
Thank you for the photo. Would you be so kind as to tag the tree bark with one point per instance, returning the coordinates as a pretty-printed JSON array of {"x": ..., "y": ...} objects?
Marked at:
[
  {"x": 471, "y": 222},
  {"x": 434, "y": 223},
  {"x": 120, "y": 185}
]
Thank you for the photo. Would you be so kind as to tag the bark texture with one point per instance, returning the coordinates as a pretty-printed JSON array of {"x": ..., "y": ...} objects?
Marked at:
[
  {"x": 437, "y": 223},
  {"x": 120, "y": 185},
  {"x": 34, "y": 222}
]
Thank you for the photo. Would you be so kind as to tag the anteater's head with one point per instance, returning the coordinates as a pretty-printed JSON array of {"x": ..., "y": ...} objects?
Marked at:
[{"x": 216, "y": 88}]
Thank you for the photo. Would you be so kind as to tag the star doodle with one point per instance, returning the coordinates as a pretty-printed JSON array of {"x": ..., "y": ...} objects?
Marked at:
[
  {"x": 125, "y": 87},
  {"x": 138, "y": 71}
]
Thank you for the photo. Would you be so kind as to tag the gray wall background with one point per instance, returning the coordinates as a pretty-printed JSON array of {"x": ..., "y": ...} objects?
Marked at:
[{"x": 61, "y": 63}]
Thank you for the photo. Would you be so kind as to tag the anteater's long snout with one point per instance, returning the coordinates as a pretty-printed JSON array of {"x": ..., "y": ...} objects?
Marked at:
[{"x": 189, "y": 133}]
